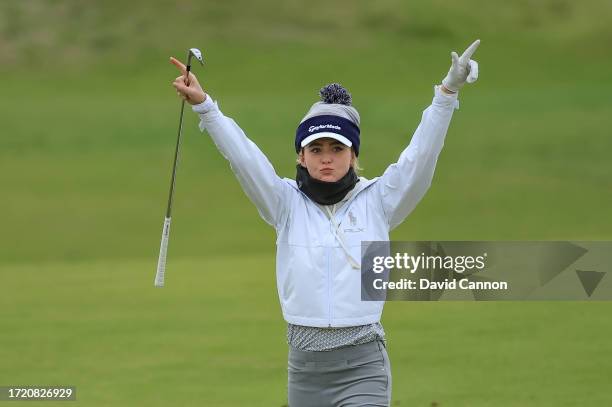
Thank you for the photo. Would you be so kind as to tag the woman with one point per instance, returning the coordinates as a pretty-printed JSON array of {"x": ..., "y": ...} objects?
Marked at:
[{"x": 337, "y": 346}]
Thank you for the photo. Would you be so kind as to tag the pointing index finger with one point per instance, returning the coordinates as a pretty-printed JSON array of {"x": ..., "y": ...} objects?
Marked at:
[
  {"x": 179, "y": 65},
  {"x": 467, "y": 54}
]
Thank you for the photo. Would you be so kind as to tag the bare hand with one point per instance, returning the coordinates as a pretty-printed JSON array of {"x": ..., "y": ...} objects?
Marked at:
[{"x": 187, "y": 87}]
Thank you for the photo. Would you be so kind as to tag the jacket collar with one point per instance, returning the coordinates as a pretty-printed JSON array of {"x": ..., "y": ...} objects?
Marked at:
[{"x": 361, "y": 186}]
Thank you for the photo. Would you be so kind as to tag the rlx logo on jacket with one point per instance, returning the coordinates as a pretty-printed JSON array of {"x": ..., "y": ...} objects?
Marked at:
[{"x": 353, "y": 222}]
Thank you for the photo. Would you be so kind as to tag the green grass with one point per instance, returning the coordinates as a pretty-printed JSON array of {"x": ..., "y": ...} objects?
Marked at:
[
  {"x": 213, "y": 336},
  {"x": 88, "y": 130}
]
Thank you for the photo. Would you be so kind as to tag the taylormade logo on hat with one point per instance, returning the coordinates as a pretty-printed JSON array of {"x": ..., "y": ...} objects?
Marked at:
[{"x": 323, "y": 126}]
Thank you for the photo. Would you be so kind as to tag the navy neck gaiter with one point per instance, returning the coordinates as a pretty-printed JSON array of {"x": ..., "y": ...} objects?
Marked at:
[{"x": 322, "y": 192}]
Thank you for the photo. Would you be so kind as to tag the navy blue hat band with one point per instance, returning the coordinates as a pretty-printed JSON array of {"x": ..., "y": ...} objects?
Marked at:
[{"x": 332, "y": 126}]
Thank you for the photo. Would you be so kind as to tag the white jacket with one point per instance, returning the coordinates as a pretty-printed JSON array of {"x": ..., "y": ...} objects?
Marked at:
[{"x": 317, "y": 258}]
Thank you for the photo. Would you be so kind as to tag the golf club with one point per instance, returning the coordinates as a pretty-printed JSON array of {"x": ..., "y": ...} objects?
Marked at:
[{"x": 161, "y": 262}]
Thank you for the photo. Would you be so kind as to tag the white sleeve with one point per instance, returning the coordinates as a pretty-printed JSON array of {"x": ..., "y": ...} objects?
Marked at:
[
  {"x": 405, "y": 182},
  {"x": 255, "y": 173}
]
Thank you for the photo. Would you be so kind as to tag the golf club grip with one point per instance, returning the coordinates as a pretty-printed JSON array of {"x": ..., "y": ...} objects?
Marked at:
[{"x": 161, "y": 262}]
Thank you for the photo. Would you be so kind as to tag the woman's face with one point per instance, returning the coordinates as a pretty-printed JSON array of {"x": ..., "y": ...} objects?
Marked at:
[{"x": 326, "y": 159}]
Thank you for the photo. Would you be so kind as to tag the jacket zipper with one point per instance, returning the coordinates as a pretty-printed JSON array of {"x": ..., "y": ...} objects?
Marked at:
[{"x": 329, "y": 295}]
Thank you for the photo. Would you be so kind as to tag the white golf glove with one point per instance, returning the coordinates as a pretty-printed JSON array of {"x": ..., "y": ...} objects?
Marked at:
[{"x": 463, "y": 69}]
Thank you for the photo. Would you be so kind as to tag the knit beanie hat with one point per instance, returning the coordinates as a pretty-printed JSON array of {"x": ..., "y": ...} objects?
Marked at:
[{"x": 332, "y": 117}]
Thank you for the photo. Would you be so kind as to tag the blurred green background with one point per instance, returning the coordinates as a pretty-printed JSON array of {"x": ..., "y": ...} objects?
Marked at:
[{"x": 89, "y": 122}]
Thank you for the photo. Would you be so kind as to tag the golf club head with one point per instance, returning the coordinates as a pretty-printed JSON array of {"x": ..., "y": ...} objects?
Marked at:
[{"x": 196, "y": 53}]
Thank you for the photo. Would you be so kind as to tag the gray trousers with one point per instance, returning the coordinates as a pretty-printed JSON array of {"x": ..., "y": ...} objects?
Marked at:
[{"x": 352, "y": 376}]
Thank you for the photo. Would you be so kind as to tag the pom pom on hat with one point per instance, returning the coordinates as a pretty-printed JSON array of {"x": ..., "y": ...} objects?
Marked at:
[{"x": 334, "y": 93}]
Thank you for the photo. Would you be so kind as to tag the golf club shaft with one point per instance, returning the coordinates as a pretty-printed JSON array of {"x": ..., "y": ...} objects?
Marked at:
[
  {"x": 178, "y": 146},
  {"x": 175, "y": 164},
  {"x": 163, "y": 250}
]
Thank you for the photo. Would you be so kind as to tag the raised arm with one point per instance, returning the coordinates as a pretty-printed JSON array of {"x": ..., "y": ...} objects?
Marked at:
[
  {"x": 405, "y": 182},
  {"x": 255, "y": 173}
]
